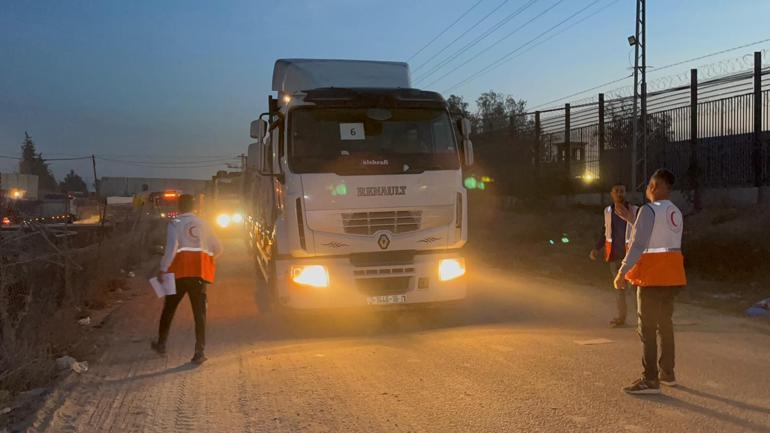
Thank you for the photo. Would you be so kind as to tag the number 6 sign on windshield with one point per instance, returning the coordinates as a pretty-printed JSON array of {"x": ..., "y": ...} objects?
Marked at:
[{"x": 352, "y": 131}]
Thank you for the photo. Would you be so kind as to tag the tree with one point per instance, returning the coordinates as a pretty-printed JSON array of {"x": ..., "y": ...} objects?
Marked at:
[
  {"x": 457, "y": 106},
  {"x": 497, "y": 111},
  {"x": 491, "y": 110},
  {"x": 73, "y": 183},
  {"x": 33, "y": 163},
  {"x": 514, "y": 111}
]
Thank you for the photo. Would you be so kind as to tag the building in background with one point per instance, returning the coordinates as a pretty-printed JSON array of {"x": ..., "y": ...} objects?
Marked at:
[
  {"x": 129, "y": 186},
  {"x": 19, "y": 186}
]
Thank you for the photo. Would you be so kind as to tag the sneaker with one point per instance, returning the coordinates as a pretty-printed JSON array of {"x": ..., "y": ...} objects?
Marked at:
[
  {"x": 668, "y": 379},
  {"x": 642, "y": 386},
  {"x": 617, "y": 323},
  {"x": 199, "y": 358},
  {"x": 158, "y": 347}
]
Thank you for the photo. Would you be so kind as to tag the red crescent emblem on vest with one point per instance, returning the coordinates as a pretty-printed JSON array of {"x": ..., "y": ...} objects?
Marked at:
[
  {"x": 673, "y": 221},
  {"x": 192, "y": 231}
]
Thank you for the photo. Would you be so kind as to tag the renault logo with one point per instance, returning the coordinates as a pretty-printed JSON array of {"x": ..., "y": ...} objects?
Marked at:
[{"x": 383, "y": 241}]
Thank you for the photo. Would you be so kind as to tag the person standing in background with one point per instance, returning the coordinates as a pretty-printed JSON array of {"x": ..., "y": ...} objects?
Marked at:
[{"x": 618, "y": 221}]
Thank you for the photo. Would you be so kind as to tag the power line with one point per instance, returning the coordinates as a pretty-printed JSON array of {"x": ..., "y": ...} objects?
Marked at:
[
  {"x": 462, "y": 35},
  {"x": 531, "y": 20},
  {"x": 681, "y": 62},
  {"x": 131, "y": 164},
  {"x": 441, "y": 33},
  {"x": 509, "y": 55},
  {"x": 172, "y": 162},
  {"x": 582, "y": 92},
  {"x": 189, "y": 164},
  {"x": 483, "y": 36},
  {"x": 67, "y": 159},
  {"x": 716, "y": 53},
  {"x": 576, "y": 23},
  {"x": 151, "y": 156}
]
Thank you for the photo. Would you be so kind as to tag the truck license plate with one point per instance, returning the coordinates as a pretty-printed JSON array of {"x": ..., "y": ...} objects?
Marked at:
[{"x": 383, "y": 300}]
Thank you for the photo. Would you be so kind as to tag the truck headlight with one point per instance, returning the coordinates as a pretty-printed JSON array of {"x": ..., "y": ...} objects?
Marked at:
[
  {"x": 223, "y": 220},
  {"x": 313, "y": 275},
  {"x": 237, "y": 218},
  {"x": 449, "y": 269}
]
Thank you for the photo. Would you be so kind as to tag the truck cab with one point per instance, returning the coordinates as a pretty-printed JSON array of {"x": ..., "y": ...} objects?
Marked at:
[{"x": 354, "y": 188}]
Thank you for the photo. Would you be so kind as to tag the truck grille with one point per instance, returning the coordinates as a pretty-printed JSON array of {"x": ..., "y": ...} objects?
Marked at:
[{"x": 368, "y": 223}]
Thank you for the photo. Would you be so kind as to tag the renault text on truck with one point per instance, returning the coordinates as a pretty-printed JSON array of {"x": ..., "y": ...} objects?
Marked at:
[{"x": 354, "y": 188}]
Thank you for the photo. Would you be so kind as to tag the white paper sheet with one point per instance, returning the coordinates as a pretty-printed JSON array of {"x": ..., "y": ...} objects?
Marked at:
[{"x": 168, "y": 287}]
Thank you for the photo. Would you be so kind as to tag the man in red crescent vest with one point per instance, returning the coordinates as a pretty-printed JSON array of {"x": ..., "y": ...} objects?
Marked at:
[
  {"x": 613, "y": 242},
  {"x": 655, "y": 264},
  {"x": 191, "y": 249}
]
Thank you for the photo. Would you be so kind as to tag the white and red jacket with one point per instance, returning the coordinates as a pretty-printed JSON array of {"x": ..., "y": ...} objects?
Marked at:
[
  {"x": 191, "y": 248},
  {"x": 655, "y": 257},
  {"x": 608, "y": 212}
]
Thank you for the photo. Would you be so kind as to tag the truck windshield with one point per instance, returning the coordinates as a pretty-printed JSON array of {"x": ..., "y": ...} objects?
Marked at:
[{"x": 371, "y": 140}]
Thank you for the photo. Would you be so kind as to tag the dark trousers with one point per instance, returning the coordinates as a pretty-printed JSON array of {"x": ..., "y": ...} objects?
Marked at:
[
  {"x": 655, "y": 310},
  {"x": 620, "y": 294},
  {"x": 195, "y": 288}
]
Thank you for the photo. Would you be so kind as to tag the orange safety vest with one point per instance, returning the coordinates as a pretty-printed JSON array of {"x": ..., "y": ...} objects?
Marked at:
[
  {"x": 608, "y": 211},
  {"x": 662, "y": 263},
  {"x": 188, "y": 264}
]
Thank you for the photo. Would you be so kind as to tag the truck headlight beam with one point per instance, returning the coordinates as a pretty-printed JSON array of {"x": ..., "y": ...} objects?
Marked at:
[
  {"x": 449, "y": 269},
  {"x": 223, "y": 220},
  {"x": 312, "y": 275}
]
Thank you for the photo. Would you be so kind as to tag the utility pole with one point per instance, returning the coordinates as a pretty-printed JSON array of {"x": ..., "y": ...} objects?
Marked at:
[
  {"x": 639, "y": 41},
  {"x": 96, "y": 181}
]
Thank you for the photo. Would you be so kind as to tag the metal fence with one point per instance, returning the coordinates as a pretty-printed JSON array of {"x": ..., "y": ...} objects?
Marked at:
[{"x": 712, "y": 133}]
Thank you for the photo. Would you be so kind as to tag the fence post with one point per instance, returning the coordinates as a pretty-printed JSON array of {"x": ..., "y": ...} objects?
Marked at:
[
  {"x": 602, "y": 182},
  {"x": 694, "y": 171},
  {"x": 567, "y": 149},
  {"x": 757, "y": 151}
]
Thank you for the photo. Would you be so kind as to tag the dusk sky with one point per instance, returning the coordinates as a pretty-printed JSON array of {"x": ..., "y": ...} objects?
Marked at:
[{"x": 153, "y": 82}]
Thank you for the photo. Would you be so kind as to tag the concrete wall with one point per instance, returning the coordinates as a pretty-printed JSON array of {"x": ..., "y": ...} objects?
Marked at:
[
  {"x": 25, "y": 182},
  {"x": 128, "y": 186}
]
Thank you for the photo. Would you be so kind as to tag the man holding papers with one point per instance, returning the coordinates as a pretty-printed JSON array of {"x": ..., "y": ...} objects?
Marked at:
[{"x": 191, "y": 249}]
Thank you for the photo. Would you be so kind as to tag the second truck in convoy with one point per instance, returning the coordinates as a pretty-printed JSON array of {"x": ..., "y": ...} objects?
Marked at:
[{"x": 354, "y": 188}]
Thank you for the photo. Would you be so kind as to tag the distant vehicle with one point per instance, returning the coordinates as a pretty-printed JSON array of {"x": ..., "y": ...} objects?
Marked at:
[
  {"x": 165, "y": 204},
  {"x": 51, "y": 208},
  {"x": 225, "y": 201},
  {"x": 354, "y": 188}
]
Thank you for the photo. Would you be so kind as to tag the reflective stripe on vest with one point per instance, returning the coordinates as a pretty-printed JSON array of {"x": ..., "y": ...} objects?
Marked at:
[
  {"x": 192, "y": 264},
  {"x": 662, "y": 263}
]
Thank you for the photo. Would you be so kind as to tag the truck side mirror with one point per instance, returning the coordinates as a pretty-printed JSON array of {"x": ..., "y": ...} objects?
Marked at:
[
  {"x": 258, "y": 129},
  {"x": 464, "y": 125}
]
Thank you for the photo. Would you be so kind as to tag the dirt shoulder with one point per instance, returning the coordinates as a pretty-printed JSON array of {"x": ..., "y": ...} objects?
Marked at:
[{"x": 18, "y": 411}]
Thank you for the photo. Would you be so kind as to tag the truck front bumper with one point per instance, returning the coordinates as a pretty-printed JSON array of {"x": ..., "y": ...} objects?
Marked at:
[{"x": 353, "y": 284}]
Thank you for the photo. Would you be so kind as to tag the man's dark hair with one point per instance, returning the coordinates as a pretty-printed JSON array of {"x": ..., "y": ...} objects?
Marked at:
[
  {"x": 665, "y": 176},
  {"x": 186, "y": 203},
  {"x": 618, "y": 184}
]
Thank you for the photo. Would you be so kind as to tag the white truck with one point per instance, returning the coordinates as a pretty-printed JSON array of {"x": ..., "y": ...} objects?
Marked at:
[{"x": 354, "y": 188}]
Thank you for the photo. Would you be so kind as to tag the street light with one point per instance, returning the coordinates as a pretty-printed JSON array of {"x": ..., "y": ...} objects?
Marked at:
[{"x": 632, "y": 40}]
